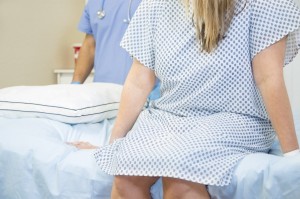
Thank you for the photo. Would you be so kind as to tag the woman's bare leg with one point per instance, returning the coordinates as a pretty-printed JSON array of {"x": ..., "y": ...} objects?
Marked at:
[
  {"x": 132, "y": 187},
  {"x": 181, "y": 189}
]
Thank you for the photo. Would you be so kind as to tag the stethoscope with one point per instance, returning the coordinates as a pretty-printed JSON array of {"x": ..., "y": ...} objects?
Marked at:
[{"x": 101, "y": 13}]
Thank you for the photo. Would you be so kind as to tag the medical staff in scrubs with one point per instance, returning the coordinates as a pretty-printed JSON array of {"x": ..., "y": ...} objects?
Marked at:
[{"x": 105, "y": 22}]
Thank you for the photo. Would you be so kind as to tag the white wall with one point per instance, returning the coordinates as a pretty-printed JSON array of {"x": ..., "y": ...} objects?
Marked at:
[
  {"x": 292, "y": 79},
  {"x": 36, "y": 37}
]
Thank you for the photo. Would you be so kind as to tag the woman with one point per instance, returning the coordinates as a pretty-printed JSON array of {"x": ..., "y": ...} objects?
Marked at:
[{"x": 222, "y": 93}]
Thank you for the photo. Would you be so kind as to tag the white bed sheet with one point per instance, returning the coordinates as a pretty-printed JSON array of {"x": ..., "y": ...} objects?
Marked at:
[{"x": 36, "y": 163}]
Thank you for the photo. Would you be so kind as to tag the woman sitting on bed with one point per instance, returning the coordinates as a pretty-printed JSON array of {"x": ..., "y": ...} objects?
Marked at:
[{"x": 220, "y": 63}]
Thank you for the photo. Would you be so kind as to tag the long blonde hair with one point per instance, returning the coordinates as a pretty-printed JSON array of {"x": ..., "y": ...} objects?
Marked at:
[{"x": 211, "y": 20}]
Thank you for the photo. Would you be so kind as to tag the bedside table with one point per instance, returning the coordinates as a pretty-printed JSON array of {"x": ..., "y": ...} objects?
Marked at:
[{"x": 65, "y": 76}]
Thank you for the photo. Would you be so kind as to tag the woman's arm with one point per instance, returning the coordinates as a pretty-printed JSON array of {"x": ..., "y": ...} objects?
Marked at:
[
  {"x": 139, "y": 83},
  {"x": 268, "y": 75}
]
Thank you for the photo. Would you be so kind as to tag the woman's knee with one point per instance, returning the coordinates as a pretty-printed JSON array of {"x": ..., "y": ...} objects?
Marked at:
[
  {"x": 177, "y": 188},
  {"x": 129, "y": 184}
]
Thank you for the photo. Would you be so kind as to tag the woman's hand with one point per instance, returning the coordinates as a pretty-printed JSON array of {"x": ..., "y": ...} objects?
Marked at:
[{"x": 82, "y": 145}]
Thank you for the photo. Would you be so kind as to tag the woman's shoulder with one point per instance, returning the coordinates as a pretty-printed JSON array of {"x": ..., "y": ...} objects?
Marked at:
[
  {"x": 156, "y": 5},
  {"x": 152, "y": 9},
  {"x": 154, "y": 2},
  {"x": 271, "y": 2}
]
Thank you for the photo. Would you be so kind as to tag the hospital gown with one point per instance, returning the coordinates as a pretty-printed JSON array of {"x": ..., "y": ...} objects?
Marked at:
[{"x": 210, "y": 114}]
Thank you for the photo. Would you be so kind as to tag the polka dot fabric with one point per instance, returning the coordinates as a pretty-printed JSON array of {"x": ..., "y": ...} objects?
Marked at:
[
  {"x": 270, "y": 21},
  {"x": 210, "y": 114}
]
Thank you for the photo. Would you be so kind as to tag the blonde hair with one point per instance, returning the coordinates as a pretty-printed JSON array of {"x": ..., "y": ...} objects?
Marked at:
[{"x": 211, "y": 20}]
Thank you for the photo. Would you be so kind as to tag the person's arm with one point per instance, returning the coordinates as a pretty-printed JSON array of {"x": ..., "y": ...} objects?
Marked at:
[
  {"x": 268, "y": 75},
  {"x": 85, "y": 61},
  {"x": 139, "y": 83}
]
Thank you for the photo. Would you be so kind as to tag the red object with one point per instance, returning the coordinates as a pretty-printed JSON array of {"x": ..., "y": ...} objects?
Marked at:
[{"x": 76, "y": 48}]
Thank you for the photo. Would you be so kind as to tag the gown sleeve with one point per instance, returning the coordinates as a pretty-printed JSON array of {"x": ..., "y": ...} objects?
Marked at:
[
  {"x": 272, "y": 20},
  {"x": 139, "y": 38}
]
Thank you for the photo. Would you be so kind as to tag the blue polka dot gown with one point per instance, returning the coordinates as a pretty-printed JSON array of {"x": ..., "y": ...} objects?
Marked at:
[{"x": 210, "y": 114}]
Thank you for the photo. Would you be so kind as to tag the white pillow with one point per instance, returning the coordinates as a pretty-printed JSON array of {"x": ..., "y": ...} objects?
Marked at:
[{"x": 68, "y": 103}]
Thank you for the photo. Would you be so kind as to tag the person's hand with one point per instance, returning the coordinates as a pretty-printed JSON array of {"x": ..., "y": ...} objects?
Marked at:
[{"x": 83, "y": 145}]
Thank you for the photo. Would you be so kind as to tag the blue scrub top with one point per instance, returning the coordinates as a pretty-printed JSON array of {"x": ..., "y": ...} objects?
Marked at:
[{"x": 112, "y": 63}]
